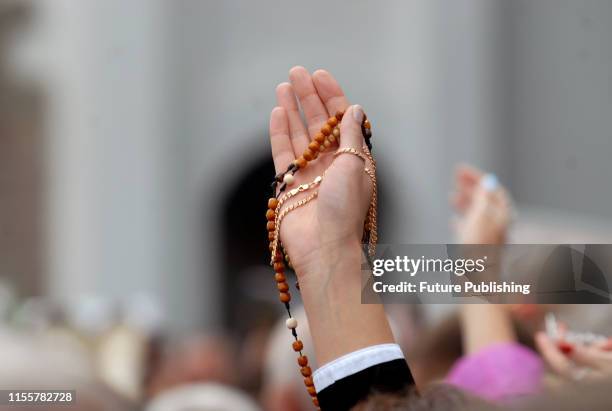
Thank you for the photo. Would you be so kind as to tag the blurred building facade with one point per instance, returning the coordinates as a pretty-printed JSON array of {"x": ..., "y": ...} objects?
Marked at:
[{"x": 156, "y": 111}]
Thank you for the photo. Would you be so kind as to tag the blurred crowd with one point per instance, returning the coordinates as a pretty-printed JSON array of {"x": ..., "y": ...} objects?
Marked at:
[{"x": 118, "y": 356}]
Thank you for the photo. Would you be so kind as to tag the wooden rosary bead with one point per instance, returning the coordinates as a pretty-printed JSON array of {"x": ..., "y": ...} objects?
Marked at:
[
  {"x": 312, "y": 391},
  {"x": 327, "y": 144},
  {"x": 308, "y": 381},
  {"x": 271, "y": 246},
  {"x": 278, "y": 257},
  {"x": 326, "y": 130},
  {"x": 308, "y": 154},
  {"x": 298, "y": 345},
  {"x": 279, "y": 267},
  {"x": 331, "y": 138},
  {"x": 315, "y": 401},
  {"x": 339, "y": 115},
  {"x": 306, "y": 371},
  {"x": 270, "y": 225},
  {"x": 284, "y": 297},
  {"x": 282, "y": 287},
  {"x": 270, "y": 215},
  {"x": 336, "y": 132},
  {"x": 314, "y": 146},
  {"x": 301, "y": 162},
  {"x": 321, "y": 148},
  {"x": 302, "y": 361},
  {"x": 280, "y": 277},
  {"x": 272, "y": 203},
  {"x": 367, "y": 124},
  {"x": 332, "y": 122},
  {"x": 319, "y": 138},
  {"x": 271, "y": 235}
]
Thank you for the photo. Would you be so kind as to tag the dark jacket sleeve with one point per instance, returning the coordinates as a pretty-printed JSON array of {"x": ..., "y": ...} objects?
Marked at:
[{"x": 342, "y": 395}]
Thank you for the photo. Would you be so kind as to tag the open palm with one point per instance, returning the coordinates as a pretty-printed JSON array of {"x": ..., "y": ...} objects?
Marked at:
[{"x": 336, "y": 216}]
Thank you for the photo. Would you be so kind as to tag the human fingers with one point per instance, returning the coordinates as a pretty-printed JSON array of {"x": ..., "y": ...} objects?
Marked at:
[
  {"x": 280, "y": 142},
  {"x": 592, "y": 357},
  {"x": 556, "y": 360},
  {"x": 285, "y": 98},
  {"x": 350, "y": 128},
  {"x": 466, "y": 181},
  {"x": 329, "y": 91},
  {"x": 315, "y": 112}
]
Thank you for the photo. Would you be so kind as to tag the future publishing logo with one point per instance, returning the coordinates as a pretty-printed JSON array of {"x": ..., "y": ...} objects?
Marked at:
[{"x": 468, "y": 287}]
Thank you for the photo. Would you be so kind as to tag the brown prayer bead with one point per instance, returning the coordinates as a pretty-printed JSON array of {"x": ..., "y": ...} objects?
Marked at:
[
  {"x": 270, "y": 225},
  {"x": 327, "y": 144},
  {"x": 315, "y": 401},
  {"x": 319, "y": 138},
  {"x": 298, "y": 345},
  {"x": 302, "y": 361},
  {"x": 336, "y": 132},
  {"x": 279, "y": 267},
  {"x": 308, "y": 154},
  {"x": 270, "y": 215},
  {"x": 301, "y": 162},
  {"x": 312, "y": 391},
  {"x": 306, "y": 371},
  {"x": 271, "y": 235},
  {"x": 272, "y": 203},
  {"x": 282, "y": 287},
  {"x": 367, "y": 124},
  {"x": 332, "y": 122},
  {"x": 331, "y": 138},
  {"x": 314, "y": 146},
  {"x": 284, "y": 297},
  {"x": 326, "y": 130},
  {"x": 308, "y": 381},
  {"x": 278, "y": 256},
  {"x": 339, "y": 115},
  {"x": 280, "y": 277}
]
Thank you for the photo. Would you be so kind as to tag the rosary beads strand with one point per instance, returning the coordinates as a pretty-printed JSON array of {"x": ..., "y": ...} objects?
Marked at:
[{"x": 323, "y": 140}]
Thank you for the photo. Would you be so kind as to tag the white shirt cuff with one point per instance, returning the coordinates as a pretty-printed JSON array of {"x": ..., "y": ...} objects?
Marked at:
[{"x": 354, "y": 362}]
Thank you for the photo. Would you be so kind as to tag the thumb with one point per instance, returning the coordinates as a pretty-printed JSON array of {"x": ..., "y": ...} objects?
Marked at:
[{"x": 350, "y": 128}]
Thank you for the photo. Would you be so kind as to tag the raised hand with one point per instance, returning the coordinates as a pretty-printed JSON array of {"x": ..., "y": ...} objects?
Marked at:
[
  {"x": 578, "y": 361},
  {"x": 336, "y": 216},
  {"x": 484, "y": 207}
]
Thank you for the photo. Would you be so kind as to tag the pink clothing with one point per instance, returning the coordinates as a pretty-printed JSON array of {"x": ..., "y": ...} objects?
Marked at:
[{"x": 501, "y": 372}]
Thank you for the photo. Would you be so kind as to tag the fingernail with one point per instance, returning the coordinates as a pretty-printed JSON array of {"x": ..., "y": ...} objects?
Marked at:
[
  {"x": 489, "y": 182},
  {"x": 358, "y": 113}
]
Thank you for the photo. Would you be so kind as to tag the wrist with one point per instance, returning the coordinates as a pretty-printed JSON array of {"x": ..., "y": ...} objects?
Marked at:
[{"x": 330, "y": 256}]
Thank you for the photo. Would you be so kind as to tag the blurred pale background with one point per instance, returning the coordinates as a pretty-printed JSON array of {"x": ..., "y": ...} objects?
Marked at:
[{"x": 135, "y": 157}]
